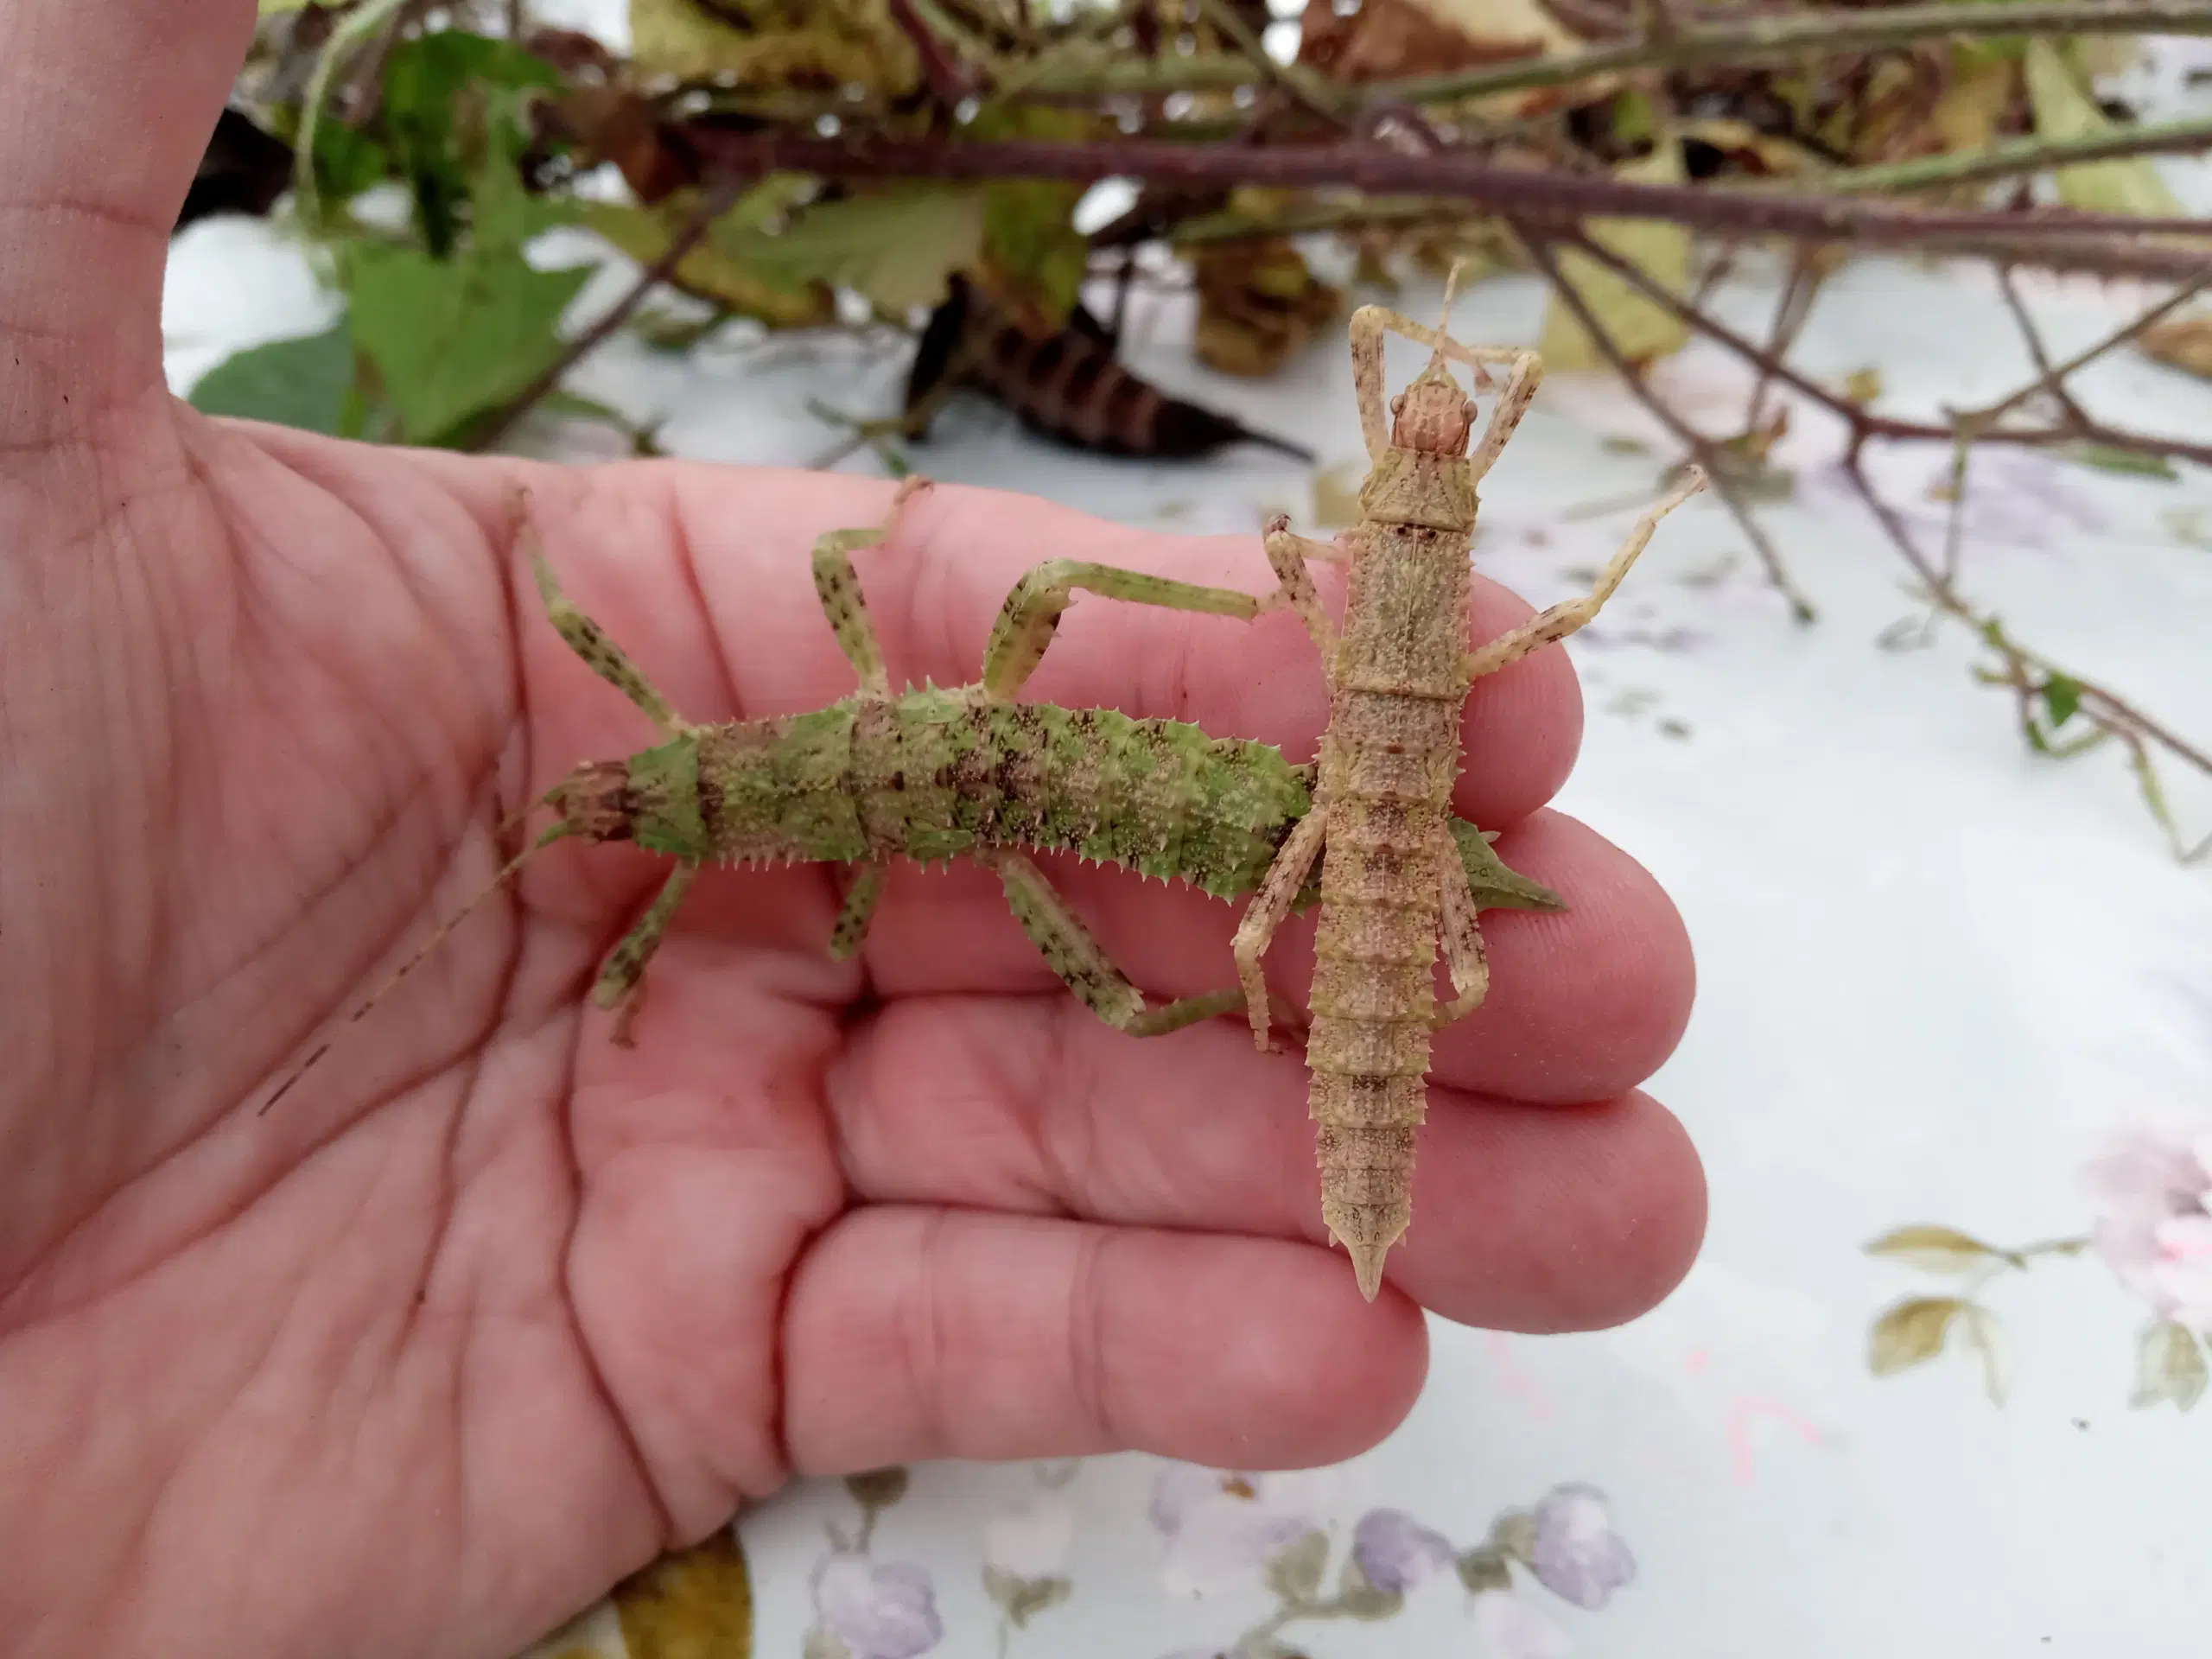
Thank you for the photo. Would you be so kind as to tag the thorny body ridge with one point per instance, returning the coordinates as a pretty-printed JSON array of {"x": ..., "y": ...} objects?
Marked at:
[
  {"x": 941, "y": 772},
  {"x": 1399, "y": 671}
]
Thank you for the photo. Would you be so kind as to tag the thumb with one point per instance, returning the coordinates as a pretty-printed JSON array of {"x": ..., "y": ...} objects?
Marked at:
[{"x": 105, "y": 106}]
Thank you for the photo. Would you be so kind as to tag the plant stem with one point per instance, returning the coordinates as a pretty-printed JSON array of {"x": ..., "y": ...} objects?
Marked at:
[
  {"x": 1741, "y": 39},
  {"x": 1702, "y": 449},
  {"x": 716, "y": 202},
  {"x": 1535, "y": 194},
  {"x": 2016, "y": 156}
]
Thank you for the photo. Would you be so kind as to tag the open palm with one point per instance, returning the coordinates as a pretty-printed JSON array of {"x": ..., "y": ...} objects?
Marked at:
[{"x": 488, "y": 1311}]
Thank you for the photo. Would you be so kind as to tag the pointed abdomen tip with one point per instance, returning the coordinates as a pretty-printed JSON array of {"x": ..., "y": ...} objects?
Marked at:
[{"x": 1366, "y": 1265}]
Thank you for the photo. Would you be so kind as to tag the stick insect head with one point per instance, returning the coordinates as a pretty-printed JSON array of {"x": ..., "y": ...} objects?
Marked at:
[{"x": 1432, "y": 413}]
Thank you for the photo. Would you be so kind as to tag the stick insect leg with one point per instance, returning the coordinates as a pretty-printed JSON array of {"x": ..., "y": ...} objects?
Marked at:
[
  {"x": 1285, "y": 879},
  {"x": 622, "y": 982},
  {"x": 1462, "y": 938},
  {"x": 1528, "y": 369},
  {"x": 589, "y": 641},
  {"x": 1558, "y": 621},
  {"x": 1075, "y": 957},
  {"x": 839, "y": 587},
  {"x": 1032, "y": 611},
  {"x": 1288, "y": 552},
  {"x": 1368, "y": 326},
  {"x": 851, "y": 931}
]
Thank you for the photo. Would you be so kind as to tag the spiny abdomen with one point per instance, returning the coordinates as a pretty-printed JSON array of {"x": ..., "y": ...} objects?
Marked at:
[
  {"x": 940, "y": 773},
  {"x": 1374, "y": 999}
]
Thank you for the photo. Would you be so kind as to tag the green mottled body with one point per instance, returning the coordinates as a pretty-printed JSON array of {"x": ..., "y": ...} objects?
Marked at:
[{"x": 937, "y": 774}]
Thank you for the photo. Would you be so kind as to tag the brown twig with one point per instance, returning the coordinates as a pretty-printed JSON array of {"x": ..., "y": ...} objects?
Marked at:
[
  {"x": 948, "y": 80},
  {"x": 1532, "y": 194},
  {"x": 2037, "y": 357},
  {"x": 712, "y": 205},
  {"x": 1702, "y": 449},
  {"x": 1871, "y": 425}
]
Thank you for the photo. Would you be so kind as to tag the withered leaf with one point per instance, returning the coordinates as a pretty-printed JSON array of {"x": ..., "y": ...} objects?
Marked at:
[
  {"x": 1640, "y": 329},
  {"x": 1911, "y": 1333},
  {"x": 2168, "y": 1365},
  {"x": 2065, "y": 109},
  {"x": 1936, "y": 1250},
  {"x": 695, "y": 1604},
  {"x": 1259, "y": 304}
]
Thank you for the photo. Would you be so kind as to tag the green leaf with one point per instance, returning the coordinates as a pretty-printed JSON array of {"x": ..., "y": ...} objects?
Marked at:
[
  {"x": 2168, "y": 1365},
  {"x": 1029, "y": 235},
  {"x": 451, "y": 111},
  {"x": 451, "y": 339},
  {"x": 2059, "y": 94},
  {"x": 1495, "y": 887},
  {"x": 896, "y": 246},
  {"x": 1934, "y": 1249},
  {"x": 710, "y": 270},
  {"x": 2062, "y": 697},
  {"x": 2106, "y": 458},
  {"x": 1640, "y": 329},
  {"x": 1911, "y": 1333},
  {"x": 300, "y": 382},
  {"x": 1294, "y": 1572},
  {"x": 278, "y": 8}
]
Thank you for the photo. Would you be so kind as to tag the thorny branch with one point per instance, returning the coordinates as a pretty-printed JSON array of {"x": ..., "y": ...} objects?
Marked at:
[
  {"x": 1535, "y": 195},
  {"x": 1703, "y": 450},
  {"x": 2031, "y": 676}
]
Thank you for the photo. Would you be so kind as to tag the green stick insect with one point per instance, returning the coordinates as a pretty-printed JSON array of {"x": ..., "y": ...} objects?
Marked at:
[{"x": 942, "y": 773}]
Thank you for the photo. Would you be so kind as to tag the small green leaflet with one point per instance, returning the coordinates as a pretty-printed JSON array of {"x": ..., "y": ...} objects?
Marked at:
[
  {"x": 2062, "y": 697},
  {"x": 2107, "y": 459},
  {"x": 895, "y": 246},
  {"x": 300, "y": 382},
  {"x": 452, "y": 340}
]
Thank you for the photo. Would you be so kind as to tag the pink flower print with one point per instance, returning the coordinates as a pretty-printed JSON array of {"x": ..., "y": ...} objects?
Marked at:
[
  {"x": 1577, "y": 1555},
  {"x": 2152, "y": 1187},
  {"x": 1395, "y": 1552}
]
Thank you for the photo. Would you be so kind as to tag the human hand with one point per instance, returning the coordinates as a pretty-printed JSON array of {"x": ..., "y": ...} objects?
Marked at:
[{"x": 488, "y": 1311}]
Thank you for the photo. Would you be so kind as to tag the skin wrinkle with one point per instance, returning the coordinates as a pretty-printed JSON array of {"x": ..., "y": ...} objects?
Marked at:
[
  {"x": 1086, "y": 1341},
  {"x": 922, "y": 1337}
]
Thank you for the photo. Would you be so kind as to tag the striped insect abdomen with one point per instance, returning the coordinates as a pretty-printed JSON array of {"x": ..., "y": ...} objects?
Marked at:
[{"x": 1387, "y": 764}]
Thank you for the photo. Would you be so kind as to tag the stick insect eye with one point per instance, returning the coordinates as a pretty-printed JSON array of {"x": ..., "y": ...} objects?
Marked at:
[{"x": 1398, "y": 404}]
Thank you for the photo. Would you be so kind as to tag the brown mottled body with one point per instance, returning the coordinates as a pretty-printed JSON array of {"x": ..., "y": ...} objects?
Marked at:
[
  {"x": 1065, "y": 384},
  {"x": 1399, "y": 671}
]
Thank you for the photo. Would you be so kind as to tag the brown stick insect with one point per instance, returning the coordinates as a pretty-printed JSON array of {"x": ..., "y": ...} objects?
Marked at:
[{"x": 1399, "y": 671}]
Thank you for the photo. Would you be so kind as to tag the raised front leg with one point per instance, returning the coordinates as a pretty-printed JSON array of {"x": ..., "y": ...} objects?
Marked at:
[
  {"x": 839, "y": 587},
  {"x": 587, "y": 639},
  {"x": 1032, "y": 611},
  {"x": 1559, "y": 620},
  {"x": 1505, "y": 415},
  {"x": 1075, "y": 956},
  {"x": 1367, "y": 327},
  {"x": 1288, "y": 552},
  {"x": 621, "y": 984},
  {"x": 1278, "y": 893}
]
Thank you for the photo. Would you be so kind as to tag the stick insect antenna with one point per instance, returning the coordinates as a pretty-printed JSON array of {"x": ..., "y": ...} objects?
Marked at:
[{"x": 507, "y": 873}]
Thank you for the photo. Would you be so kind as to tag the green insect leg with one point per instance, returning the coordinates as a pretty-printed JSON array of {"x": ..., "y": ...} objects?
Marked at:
[
  {"x": 851, "y": 931},
  {"x": 1032, "y": 611},
  {"x": 839, "y": 587},
  {"x": 589, "y": 641},
  {"x": 1464, "y": 951},
  {"x": 622, "y": 982},
  {"x": 1077, "y": 958}
]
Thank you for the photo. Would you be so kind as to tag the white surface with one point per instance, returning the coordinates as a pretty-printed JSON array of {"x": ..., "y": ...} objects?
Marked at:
[{"x": 1933, "y": 970}]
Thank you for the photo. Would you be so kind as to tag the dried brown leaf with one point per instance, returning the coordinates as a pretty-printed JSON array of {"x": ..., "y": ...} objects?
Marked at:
[
  {"x": 1911, "y": 1333},
  {"x": 2168, "y": 1365},
  {"x": 696, "y": 1605},
  {"x": 2182, "y": 342},
  {"x": 1258, "y": 305},
  {"x": 1934, "y": 1249}
]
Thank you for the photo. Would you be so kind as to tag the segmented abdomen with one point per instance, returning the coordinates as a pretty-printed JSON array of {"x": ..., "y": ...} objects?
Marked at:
[
  {"x": 1387, "y": 766},
  {"x": 938, "y": 774}
]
